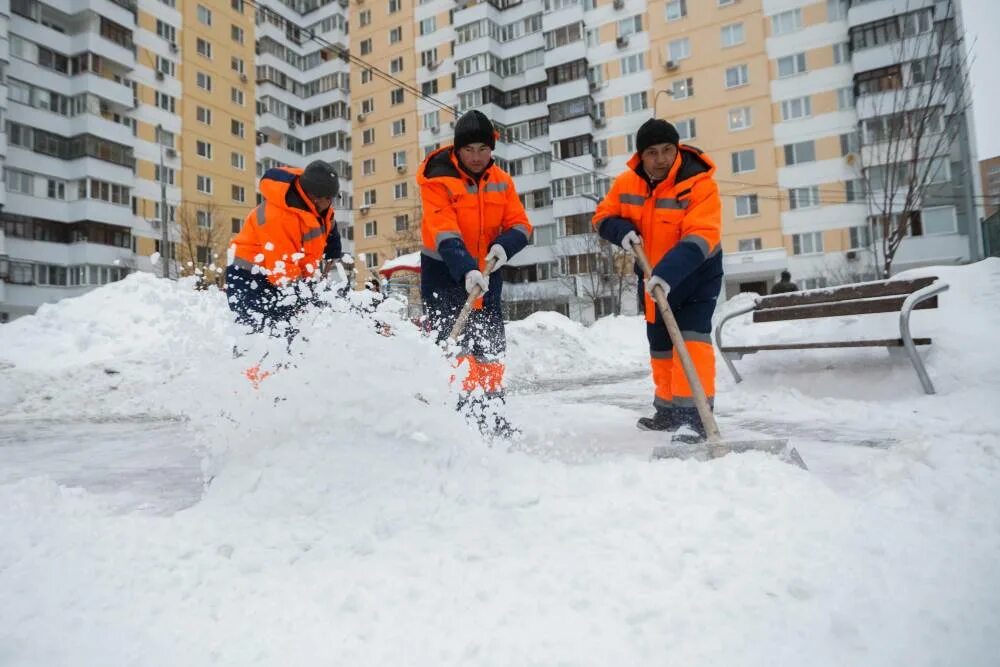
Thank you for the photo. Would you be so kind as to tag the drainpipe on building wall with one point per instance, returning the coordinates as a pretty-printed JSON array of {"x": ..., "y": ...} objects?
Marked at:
[{"x": 164, "y": 234}]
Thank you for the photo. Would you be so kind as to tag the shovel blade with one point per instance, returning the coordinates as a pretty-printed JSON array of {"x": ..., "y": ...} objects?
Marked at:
[{"x": 703, "y": 451}]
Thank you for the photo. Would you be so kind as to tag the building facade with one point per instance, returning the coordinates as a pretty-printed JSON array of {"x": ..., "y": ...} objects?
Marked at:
[{"x": 990, "y": 174}]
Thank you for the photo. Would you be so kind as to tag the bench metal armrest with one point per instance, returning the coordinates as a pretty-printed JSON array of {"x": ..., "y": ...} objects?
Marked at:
[
  {"x": 904, "y": 329},
  {"x": 718, "y": 338}
]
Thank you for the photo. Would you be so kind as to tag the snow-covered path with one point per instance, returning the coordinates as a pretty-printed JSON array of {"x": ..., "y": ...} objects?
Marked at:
[{"x": 353, "y": 524}]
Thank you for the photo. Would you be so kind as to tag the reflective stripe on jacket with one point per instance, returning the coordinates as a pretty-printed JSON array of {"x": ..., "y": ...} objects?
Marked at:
[{"x": 284, "y": 237}]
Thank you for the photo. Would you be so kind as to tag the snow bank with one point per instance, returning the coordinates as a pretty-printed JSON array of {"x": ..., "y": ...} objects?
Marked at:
[{"x": 349, "y": 521}]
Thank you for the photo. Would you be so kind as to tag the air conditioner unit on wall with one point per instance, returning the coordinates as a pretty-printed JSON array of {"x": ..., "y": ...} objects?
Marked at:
[
  {"x": 401, "y": 169},
  {"x": 173, "y": 47},
  {"x": 435, "y": 129},
  {"x": 600, "y": 161},
  {"x": 433, "y": 65},
  {"x": 619, "y": 4},
  {"x": 243, "y": 78},
  {"x": 670, "y": 65},
  {"x": 171, "y": 152},
  {"x": 851, "y": 255},
  {"x": 622, "y": 42},
  {"x": 364, "y": 210},
  {"x": 291, "y": 124},
  {"x": 361, "y": 117},
  {"x": 599, "y": 122}
]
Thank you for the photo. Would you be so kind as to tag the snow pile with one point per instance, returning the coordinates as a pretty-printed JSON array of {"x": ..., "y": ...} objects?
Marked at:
[{"x": 350, "y": 521}]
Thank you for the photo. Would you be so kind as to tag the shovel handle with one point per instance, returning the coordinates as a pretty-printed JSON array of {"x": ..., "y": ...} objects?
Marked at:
[
  {"x": 690, "y": 372},
  {"x": 463, "y": 315}
]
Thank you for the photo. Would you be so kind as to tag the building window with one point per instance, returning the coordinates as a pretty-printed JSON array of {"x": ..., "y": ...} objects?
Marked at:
[
  {"x": 807, "y": 244},
  {"x": 836, "y": 10},
  {"x": 204, "y": 15},
  {"x": 799, "y": 107},
  {"x": 204, "y": 115},
  {"x": 203, "y": 149},
  {"x": 750, "y": 245},
  {"x": 429, "y": 87},
  {"x": 737, "y": 76},
  {"x": 370, "y": 197},
  {"x": 427, "y": 26},
  {"x": 399, "y": 127},
  {"x": 236, "y": 34},
  {"x": 237, "y": 128},
  {"x": 804, "y": 151},
  {"x": 395, "y": 6},
  {"x": 204, "y": 184},
  {"x": 399, "y": 159},
  {"x": 204, "y": 81},
  {"x": 939, "y": 220},
  {"x": 630, "y": 26},
  {"x": 368, "y": 136},
  {"x": 235, "y": 224},
  {"x": 366, "y": 46},
  {"x": 237, "y": 5},
  {"x": 371, "y": 229},
  {"x": 744, "y": 161},
  {"x": 396, "y": 96},
  {"x": 746, "y": 205},
  {"x": 850, "y": 143},
  {"x": 371, "y": 259},
  {"x": 364, "y": 17},
  {"x": 845, "y": 98},
  {"x": 204, "y": 219},
  {"x": 791, "y": 65},
  {"x": 396, "y": 35},
  {"x": 807, "y": 197},
  {"x": 237, "y": 65},
  {"x": 786, "y": 22},
  {"x": 239, "y": 193},
  {"x": 366, "y": 75},
  {"x": 237, "y": 160},
  {"x": 732, "y": 35},
  {"x": 841, "y": 53},
  {"x": 368, "y": 167},
  {"x": 854, "y": 190},
  {"x": 681, "y": 89},
  {"x": 636, "y": 102},
  {"x": 679, "y": 49},
  {"x": 739, "y": 118},
  {"x": 686, "y": 129},
  {"x": 396, "y": 65},
  {"x": 676, "y": 10},
  {"x": 399, "y": 190},
  {"x": 402, "y": 223},
  {"x": 632, "y": 64},
  {"x": 165, "y": 102},
  {"x": 237, "y": 97},
  {"x": 204, "y": 48},
  {"x": 860, "y": 237}
]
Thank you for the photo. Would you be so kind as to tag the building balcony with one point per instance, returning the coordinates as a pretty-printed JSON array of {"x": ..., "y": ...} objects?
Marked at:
[
  {"x": 755, "y": 263},
  {"x": 65, "y": 254},
  {"x": 563, "y": 207},
  {"x": 71, "y": 211},
  {"x": 867, "y": 12},
  {"x": 568, "y": 91},
  {"x": 890, "y": 54},
  {"x": 566, "y": 54},
  {"x": 573, "y": 127}
]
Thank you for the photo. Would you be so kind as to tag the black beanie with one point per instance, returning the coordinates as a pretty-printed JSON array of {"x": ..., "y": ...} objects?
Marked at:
[
  {"x": 655, "y": 131},
  {"x": 319, "y": 180},
  {"x": 474, "y": 128}
]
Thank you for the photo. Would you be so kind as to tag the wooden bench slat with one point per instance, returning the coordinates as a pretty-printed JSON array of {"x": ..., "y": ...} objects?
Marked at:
[
  {"x": 836, "y": 309},
  {"x": 887, "y": 342},
  {"x": 882, "y": 288}
]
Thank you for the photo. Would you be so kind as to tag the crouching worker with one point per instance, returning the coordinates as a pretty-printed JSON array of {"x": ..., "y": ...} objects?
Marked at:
[
  {"x": 276, "y": 257},
  {"x": 472, "y": 215},
  {"x": 668, "y": 201}
]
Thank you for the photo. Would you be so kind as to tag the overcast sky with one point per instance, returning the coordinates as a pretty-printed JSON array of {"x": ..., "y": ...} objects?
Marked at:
[{"x": 982, "y": 23}]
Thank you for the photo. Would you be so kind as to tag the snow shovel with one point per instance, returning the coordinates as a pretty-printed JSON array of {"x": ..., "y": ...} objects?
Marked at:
[
  {"x": 463, "y": 315},
  {"x": 714, "y": 446}
]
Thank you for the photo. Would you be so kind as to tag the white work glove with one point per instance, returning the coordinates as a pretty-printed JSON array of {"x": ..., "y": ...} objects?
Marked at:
[
  {"x": 653, "y": 281},
  {"x": 631, "y": 239},
  {"x": 499, "y": 254},
  {"x": 473, "y": 278}
]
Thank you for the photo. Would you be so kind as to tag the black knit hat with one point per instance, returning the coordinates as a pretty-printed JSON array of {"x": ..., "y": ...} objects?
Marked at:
[
  {"x": 474, "y": 128},
  {"x": 655, "y": 131},
  {"x": 319, "y": 180}
]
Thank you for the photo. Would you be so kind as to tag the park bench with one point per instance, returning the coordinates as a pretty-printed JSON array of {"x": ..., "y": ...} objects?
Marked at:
[{"x": 884, "y": 296}]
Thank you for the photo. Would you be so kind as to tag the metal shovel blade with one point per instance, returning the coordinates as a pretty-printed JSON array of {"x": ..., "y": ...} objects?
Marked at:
[{"x": 704, "y": 451}]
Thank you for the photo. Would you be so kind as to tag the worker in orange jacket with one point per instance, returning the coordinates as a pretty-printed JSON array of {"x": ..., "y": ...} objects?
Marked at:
[
  {"x": 278, "y": 253},
  {"x": 668, "y": 201},
  {"x": 471, "y": 215}
]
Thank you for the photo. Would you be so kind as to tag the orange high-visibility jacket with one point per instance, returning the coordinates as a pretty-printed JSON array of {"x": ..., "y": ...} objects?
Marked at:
[
  {"x": 462, "y": 218},
  {"x": 680, "y": 221},
  {"x": 284, "y": 237}
]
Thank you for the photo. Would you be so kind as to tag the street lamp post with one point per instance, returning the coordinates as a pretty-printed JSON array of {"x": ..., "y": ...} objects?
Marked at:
[{"x": 164, "y": 232}]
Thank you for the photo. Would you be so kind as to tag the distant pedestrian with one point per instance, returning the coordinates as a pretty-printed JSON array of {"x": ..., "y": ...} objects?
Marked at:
[{"x": 785, "y": 285}]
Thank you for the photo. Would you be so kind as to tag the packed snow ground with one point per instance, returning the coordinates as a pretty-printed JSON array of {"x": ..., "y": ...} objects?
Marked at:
[{"x": 349, "y": 522}]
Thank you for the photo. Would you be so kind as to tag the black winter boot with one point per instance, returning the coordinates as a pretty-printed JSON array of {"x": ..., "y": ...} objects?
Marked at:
[
  {"x": 663, "y": 420},
  {"x": 689, "y": 426}
]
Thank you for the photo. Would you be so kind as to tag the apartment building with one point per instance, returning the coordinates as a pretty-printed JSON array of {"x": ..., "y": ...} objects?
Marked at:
[
  {"x": 117, "y": 118},
  {"x": 303, "y": 94},
  {"x": 386, "y": 131}
]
